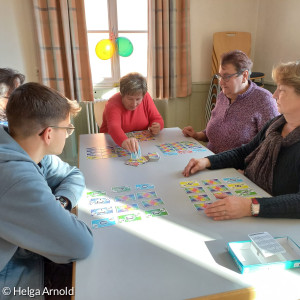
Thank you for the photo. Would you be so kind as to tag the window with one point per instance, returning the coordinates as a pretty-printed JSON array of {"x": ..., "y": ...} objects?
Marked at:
[{"x": 121, "y": 18}]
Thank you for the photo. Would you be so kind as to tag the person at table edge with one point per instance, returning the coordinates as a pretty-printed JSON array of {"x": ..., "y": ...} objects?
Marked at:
[
  {"x": 271, "y": 160},
  {"x": 242, "y": 108},
  {"x": 132, "y": 109}
]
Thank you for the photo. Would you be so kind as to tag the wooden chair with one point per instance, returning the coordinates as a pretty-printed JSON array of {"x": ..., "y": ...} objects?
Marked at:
[{"x": 94, "y": 114}]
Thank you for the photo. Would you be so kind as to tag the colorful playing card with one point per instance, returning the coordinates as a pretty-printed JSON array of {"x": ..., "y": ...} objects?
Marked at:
[
  {"x": 99, "y": 200},
  {"x": 105, "y": 222},
  {"x": 152, "y": 202},
  {"x": 137, "y": 162},
  {"x": 129, "y": 218},
  {"x": 156, "y": 212},
  {"x": 232, "y": 179},
  {"x": 211, "y": 181},
  {"x": 190, "y": 183},
  {"x": 153, "y": 156},
  {"x": 145, "y": 186},
  {"x": 238, "y": 186},
  {"x": 194, "y": 190},
  {"x": 199, "y": 198},
  {"x": 217, "y": 188},
  {"x": 96, "y": 194},
  {"x": 120, "y": 189},
  {"x": 126, "y": 208},
  {"x": 102, "y": 211},
  {"x": 201, "y": 206},
  {"x": 128, "y": 197},
  {"x": 142, "y": 195},
  {"x": 245, "y": 193}
]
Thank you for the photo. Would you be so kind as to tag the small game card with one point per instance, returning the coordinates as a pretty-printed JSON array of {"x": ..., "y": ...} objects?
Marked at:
[
  {"x": 120, "y": 189},
  {"x": 152, "y": 202},
  {"x": 102, "y": 211},
  {"x": 199, "y": 198},
  {"x": 190, "y": 183},
  {"x": 126, "y": 207},
  {"x": 211, "y": 182},
  {"x": 245, "y": 193},
  {"x": 217, "y": 188},
  {"x": 232, "y": 179},
  {"x": 99, "y": 200},
  {"x": 238, "y": 186},
  {"x": 128, "y": 197},
  {"x": 104, "y": 222},
  {"x": 194, "y": 190},
  {"x": 150, "y": 194},
  {"x": 201, "y": 206},
  {"x": 225, "y": 193},
  {"x": 156, "y": 212},
  {"x": 145, "y": 186},
  {"x": 129, "y": 218},
  {"x": 96, "y": 194}
]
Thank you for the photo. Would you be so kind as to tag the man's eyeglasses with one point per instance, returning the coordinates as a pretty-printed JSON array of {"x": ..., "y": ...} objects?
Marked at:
[
  {"x": 226, "y": 78},
  {"x": 69, "y": 129}
]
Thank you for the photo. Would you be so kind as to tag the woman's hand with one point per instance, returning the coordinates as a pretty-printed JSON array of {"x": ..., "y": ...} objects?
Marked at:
[
  {"x": 131, "y": 145},
  {"x": 228, "y": 207},
  {"x": 154, "y": 128},
  {"x": 195, "y": 165},
  {"x": 189, "y": 131}
]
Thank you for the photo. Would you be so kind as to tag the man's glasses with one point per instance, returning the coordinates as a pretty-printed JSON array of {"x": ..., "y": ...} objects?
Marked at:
[
  {"x": 226, "y": 78},
  {"x": 69, "y": 129}
]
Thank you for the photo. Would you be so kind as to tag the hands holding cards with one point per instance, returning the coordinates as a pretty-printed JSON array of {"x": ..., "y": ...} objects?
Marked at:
[{"x": 131, "y": 145}]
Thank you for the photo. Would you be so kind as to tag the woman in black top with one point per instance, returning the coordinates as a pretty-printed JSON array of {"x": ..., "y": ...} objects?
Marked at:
[{"x": 271, "y": 160}]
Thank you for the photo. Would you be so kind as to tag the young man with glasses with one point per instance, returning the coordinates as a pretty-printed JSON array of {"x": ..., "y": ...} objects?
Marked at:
[
  {"x": 37, "y": 190},
  {"x": 242, "y": 108}
]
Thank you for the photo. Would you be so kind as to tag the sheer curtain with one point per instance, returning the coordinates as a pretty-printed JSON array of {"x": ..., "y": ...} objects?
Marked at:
[
  {"x": 169, "y": 49},
  {"x": 63, "y": 47}
]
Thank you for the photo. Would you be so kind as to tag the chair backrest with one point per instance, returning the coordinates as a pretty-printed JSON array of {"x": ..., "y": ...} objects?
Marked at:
[
  {"x": 227, "y": 41},
  {"x": 98, "y": 111}
]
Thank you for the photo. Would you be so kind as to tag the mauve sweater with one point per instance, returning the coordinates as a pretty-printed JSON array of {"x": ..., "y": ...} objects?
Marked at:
[
  {"x": 285, "y": 202},
  {"x": 232, "y": 125}
]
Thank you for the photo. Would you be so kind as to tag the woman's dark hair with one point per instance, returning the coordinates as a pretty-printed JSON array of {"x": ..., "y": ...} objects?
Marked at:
[
  {"x": 238, "y": 59},
  {"x": 8, "y": 77}
]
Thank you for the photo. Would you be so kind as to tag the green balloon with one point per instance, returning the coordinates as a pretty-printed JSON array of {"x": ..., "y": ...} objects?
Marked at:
[{"x": 124, "y": 45}]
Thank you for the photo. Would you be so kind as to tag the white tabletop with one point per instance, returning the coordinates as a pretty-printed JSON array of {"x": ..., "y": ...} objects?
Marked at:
[{"x": 179, "y": 256}]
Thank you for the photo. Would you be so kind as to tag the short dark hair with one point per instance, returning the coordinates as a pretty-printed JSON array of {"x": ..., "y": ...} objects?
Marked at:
[
  {"x": 8, "y": 77},
  {"x": 238, "y": 59},
  {"x": 132, "y": 84},
  {"x": 33, "y": 106}
]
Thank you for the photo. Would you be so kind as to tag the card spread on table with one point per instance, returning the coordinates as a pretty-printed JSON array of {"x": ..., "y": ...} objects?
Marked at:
[
  {"x": 127, "y": 197},
  {"x": 156, "y": 212},
  {"x": 95, "y": 194},
  {"x": 144, "y": 186},
  {"x": 238, "y": 186},
  {"x": 232, "y": 179},
  {"x": 189, "y": 183},
  {"x": 211, "y": 181},
  {"x": 126, "y": 207},
  {"x": 99, "y": 200},
  {"x": 199, "y": 198},
  {"x": 104, "y": 222},
  {"x": 150, "y": 194},
  {"x": 201, "y": 206},
  {"x": 120, "y": 189},
  {"x": 194, "y": 190},
  {"x": 217, "y": 188},
  {"x": 245, "y": 192},
  {"x": 152, "y": 202},
  {"x": 129, "y": 218},
  {"x": 102, "y": 211}
]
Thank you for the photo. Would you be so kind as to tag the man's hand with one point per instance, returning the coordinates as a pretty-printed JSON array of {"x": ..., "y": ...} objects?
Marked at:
[
  {"x": 229, "y": 207},
  {"x": 195, "y": 165},
  {"x": 154, "y": 128}
]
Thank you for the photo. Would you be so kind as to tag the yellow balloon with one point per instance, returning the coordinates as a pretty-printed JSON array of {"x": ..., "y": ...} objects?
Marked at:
[{"x": 105, "y": 49}]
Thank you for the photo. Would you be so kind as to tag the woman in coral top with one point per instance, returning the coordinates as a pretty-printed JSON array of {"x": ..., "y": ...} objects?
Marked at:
[{"x": 132, "y": 109}]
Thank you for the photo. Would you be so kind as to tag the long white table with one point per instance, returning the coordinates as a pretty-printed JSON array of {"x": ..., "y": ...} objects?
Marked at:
[{"x": 179, "y": 256}]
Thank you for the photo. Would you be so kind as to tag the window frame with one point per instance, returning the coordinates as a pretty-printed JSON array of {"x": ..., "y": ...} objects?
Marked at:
[{"x": 113, "y": 33}]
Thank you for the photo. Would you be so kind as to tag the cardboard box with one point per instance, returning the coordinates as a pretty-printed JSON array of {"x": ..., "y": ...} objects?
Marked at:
[{"x": 248, "y": 258}]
